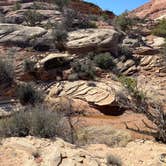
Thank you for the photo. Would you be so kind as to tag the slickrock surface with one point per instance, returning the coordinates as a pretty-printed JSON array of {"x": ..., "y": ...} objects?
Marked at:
[
  {"x": 32, "y": 151},
  {"x": 154, "y": 9}
]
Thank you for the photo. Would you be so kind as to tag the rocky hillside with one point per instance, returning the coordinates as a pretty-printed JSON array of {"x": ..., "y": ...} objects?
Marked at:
[
  {"x": 85, "y": 77},
  {"x": 79, "y": 5},
  {"x": 154, "y": 9}
]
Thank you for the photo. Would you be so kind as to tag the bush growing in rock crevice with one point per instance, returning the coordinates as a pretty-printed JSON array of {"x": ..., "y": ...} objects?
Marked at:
[
  {"x": 104, "y": 61},
  {"x": 29, "y": 66},
  {"x": 84, "y": 69},
  {"x": 160, "y": 29},
  {"x": 28, "y": 94},
  {"x": 123, "y": 22},
  {"x": 75, "y": 20},
  {"x": 6, "y": 72},
  {"x": 60, "y": 35},
  {"x": 152, "y": 110},
  {"x": 61, "y": 3},
  {"x": 33, "y": 18}
]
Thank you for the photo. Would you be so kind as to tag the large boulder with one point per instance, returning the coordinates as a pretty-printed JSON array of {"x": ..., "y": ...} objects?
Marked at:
[
  {"x": 95, "y": 93},
  {"x": 18, "y": 34},
  {"x": 85, "y": 40}
]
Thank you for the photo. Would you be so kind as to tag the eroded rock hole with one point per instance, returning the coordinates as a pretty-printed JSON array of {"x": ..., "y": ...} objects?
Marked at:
[
  {"x": 111, "y": 110},
  {"x": 42, "y": 48},
  {"x": 56, "y": 63}
]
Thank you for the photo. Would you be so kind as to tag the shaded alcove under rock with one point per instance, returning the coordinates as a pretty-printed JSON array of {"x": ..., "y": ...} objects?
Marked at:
[
  {"x": 110, "y": 110},
  {"x": 56, "y": 63}
]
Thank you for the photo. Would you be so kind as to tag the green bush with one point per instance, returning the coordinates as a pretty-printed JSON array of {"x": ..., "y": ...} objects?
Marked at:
[
  {"x": 129, "y": 83},
  {"x": 29, "y": 66},
  {"x": 163, "y": 51},
  {"x": 17, "y": 6},
  {"x": 75, "y": 20},
  {"x": 61, "y": 3},
  {"x": 160, "y": 29},
  {"x": 84, "y": 69},
  {"x": 33, "y": 18},
  {"x": 59, "y": 37},
  {"x": 28, "y": 94},
  {"x": 6, "y": 72},
  {"x": 104, "y": 61},
  {"x": 39, "y": 121},
  {"x": 113, "y": 161},
  {"x": 123, "y": 22}
]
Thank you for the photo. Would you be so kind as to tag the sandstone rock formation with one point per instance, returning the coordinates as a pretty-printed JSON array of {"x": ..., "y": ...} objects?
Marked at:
[
  {"x": 32, "y": 151},
  {"x": 40, "y": 152},
  {"x": 96, "y": 93},
  {"x": 18, "y": 34},
  {"x": 92, "y": 40},
  {"x": 154, "y": 9}
]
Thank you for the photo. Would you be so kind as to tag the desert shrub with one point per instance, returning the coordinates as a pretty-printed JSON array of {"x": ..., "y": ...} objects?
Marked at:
[
  {"x": 160, "y": 29},
  {"x": 76, "y": 20},
  {"x": 113, "y": 161},
  {"x": 17, "y": 6},
  {"x": 104, "y": 61},
  {"x": 123, "y": 22},
  {"x": 105, "y": 17},
  {"x": 59, "y": 37},
  {"x": 61, "y": 3},
  {"x": 2, "y": 17},
  {"x": 73, "y": 77},
  {"x": 103, "y": 135},
  {"x": 32, "y": 17},
  {"x": 39, "y": 121},
  {"x": 6, "y": 72},
  {"x": 84, "y": 69},
  {"x": 93, "y": 17},
  {"x": 28, "y": 94},
  {"x": 129, "y": 83},
  {"x": 163, "y": 51},
  {"x": 124, "y": 50},
  {"x": 29, "y": 66}
]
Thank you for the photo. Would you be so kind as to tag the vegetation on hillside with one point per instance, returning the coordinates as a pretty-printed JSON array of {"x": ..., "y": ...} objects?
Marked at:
[
  {"x": 6, "y": 72},
  {"x": 160, "y": 29}
]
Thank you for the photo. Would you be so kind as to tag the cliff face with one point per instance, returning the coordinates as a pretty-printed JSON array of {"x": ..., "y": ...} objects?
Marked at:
[{"x": 154, "y": 9}]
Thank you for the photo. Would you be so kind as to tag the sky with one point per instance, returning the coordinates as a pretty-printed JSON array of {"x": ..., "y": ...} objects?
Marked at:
[{"x": 118, "y": 6}]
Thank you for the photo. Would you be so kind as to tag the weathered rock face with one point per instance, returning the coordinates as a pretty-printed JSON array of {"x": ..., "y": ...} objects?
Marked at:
[
  {"x": 21, "y": 151},
  {"x": 82, "y": 41},
  {"x": 94, "y": 93},
  {"x": 154, "y": 9},
  {"x": 18, "y": 34},
  {"x": 50, "y": 153}
]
